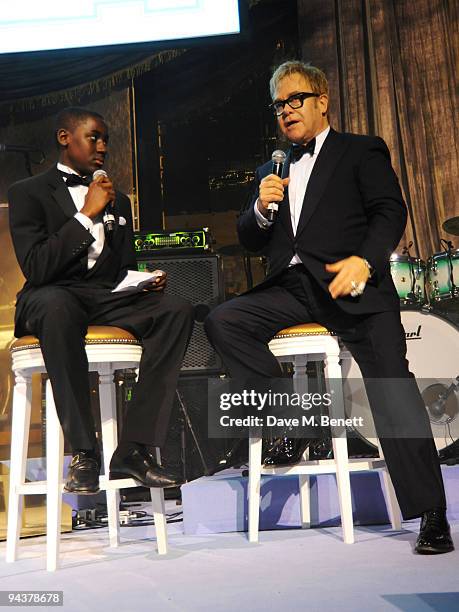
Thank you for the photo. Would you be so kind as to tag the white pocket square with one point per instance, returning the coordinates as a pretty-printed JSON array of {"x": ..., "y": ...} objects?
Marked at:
[{"x": 122, "y": 221}]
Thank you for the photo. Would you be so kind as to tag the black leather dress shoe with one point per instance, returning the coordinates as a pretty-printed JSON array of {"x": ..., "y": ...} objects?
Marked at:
[
  {"x": 139, "y": 464},
  {"x": 285, "y": 451},
  {"x": 434, "y": 537},
  {"x": 236, "y": 457},
  {"x": 450, "y": 454},
  {"x": 83, "y": 474}
]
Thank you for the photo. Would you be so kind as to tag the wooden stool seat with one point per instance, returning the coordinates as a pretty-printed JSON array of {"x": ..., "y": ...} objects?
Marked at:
[
  {"x": 305, "y": 329},
  {"x": 97, "y": 334}
]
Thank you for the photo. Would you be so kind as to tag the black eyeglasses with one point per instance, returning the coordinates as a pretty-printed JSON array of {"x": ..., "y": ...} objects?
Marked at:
[{"x": 294, "y": 101}]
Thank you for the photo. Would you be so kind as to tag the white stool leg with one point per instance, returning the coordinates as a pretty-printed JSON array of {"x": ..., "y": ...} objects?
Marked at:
[
  {"x": 107, "y": 399},
  {"x": 255, "y": 448},
  {"x": 393, "y": 509},
  {"x": 54, "y": 467},
  {"x": 344, "y": 486},
  {"x": 300, "y": 385},
  {"x": 159, "y": 514},
  {"x": 339, "y": 440},
  {"x": 22, "y": 401},
  {"x": 305, "y": 496}
]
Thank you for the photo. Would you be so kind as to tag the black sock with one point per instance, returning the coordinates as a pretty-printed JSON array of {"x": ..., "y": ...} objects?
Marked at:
[
  {"x": 125, "y": 447},
  {"x": 91, "y": 452}
]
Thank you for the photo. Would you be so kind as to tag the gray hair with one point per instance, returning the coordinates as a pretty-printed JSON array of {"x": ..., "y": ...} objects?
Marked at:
[{"x": 315, "y": 76}]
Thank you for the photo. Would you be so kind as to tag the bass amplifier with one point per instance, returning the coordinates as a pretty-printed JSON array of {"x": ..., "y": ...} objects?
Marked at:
[{"x": 198, "y": 279}]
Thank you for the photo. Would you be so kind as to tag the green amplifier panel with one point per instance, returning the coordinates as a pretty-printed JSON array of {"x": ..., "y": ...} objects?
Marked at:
[{"x": 180, "y": 240}]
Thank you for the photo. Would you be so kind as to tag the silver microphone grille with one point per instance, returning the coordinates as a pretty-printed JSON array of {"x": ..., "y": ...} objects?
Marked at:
[
  {"x": 278, "y": 157},
  {"x": 98, "y": 173}
]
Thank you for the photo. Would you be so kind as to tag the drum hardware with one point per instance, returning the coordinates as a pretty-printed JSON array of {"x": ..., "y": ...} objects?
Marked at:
[
  {"x": 442, "y": 406},
  {"x": 408, "y": 274},
  {"x": 450, "y": 247},
  {"x": 414, "y": 276},
  {"x": 185, "y": 422}
]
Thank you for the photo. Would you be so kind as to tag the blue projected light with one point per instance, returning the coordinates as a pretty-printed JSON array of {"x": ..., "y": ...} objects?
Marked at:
[{"x": 28, "y": 25}]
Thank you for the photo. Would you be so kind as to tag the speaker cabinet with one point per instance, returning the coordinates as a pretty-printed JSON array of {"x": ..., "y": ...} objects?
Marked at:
[{"x": 198, "y": 279}]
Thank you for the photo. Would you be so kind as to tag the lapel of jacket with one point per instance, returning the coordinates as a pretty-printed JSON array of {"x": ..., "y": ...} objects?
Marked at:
[
  {"x": 330, "y": 153},
  {"x": 60, "y": 192},
  {"x": 284, "y": 206}
]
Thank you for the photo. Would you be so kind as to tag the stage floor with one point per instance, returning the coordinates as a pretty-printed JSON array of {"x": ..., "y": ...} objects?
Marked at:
[{"x": 288, "y": 570}]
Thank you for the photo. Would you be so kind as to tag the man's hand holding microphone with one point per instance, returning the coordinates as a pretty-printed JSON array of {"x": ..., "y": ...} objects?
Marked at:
[{"x": 272, "y": 188}]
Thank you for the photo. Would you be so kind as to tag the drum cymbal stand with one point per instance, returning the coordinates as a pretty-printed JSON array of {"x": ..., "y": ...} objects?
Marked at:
[{"x": 449, "y": 249}]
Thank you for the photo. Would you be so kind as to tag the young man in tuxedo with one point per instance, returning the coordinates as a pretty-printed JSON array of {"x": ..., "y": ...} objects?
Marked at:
[
  {"x": 341, "y": 215},
  {"x": 71, "y": 263}
]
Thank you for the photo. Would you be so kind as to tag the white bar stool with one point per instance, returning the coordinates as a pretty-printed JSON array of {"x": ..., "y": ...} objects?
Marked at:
[
  {"x": 300, "y": 344},
  {"x": 108, "y": 349}
]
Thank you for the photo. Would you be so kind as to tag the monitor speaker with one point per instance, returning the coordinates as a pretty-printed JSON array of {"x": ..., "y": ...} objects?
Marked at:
[{"x": 198, "y": 279}]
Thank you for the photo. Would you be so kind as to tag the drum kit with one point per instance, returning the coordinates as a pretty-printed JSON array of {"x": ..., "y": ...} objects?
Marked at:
[
  {"x": 428, "y": 286},
  {"x": 429, "y": 303}
]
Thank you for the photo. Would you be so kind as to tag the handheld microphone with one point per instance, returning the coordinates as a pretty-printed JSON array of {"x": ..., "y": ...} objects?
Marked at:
[
  {"x": 278, "y": 159},
  {"x": 108, "y": 216}
]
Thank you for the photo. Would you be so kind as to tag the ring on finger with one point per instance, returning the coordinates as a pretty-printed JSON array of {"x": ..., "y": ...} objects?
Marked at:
[{"x": 357, "y": 288}]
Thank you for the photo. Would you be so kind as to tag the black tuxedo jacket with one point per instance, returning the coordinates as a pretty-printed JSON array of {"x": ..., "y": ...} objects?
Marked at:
[
  {"x": 52, "y": 246},
  {"x": 353, "y": 206}
]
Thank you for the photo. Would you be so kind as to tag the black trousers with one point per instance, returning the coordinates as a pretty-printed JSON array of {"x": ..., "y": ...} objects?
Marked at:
[
  {"x": 59, "y": 316},
  {"x": 241, "y": 328}
]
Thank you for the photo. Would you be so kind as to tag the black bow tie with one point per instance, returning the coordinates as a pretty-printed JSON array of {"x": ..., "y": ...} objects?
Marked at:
[
  {"x": 297, "y": 151},
  {"x": 73, "y": 180}
]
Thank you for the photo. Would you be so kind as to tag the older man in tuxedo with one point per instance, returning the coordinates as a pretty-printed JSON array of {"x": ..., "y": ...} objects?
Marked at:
[
  {"x": 71, "y": 263},
  {"x": 341, "y": 215}
]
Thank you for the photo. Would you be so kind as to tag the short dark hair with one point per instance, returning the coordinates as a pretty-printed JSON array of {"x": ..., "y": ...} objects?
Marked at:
[{"x": 71, "y": 117}]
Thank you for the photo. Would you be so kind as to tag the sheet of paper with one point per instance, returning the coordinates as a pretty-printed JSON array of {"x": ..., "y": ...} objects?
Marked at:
[{"x": 135, "y": 279}]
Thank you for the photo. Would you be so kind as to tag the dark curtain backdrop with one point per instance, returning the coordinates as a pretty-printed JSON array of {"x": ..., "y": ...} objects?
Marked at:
[{"x": 392, "y": 66}]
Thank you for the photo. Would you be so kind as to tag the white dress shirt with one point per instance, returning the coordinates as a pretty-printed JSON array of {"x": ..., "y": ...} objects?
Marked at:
[
  {"x": 300, "y": 173},
  {"x": 96, "y": 229}
]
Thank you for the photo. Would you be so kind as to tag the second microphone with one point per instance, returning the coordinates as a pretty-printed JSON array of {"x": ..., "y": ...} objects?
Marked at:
[{"x": 108, "y": 216}]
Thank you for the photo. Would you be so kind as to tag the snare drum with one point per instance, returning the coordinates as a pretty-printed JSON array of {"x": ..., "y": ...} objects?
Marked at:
[
  {"x": 408, "y": 274},
  {"x": 442, "y": 274}
]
